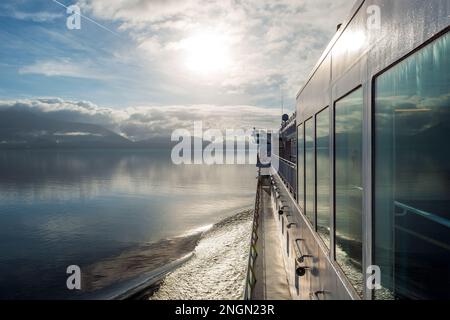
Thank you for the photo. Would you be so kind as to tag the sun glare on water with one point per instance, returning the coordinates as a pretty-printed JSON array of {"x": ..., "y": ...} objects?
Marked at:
[{"x": 207, "y": 53}]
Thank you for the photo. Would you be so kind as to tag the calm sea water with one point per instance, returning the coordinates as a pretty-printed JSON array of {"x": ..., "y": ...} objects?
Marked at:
[{"x": 81, "y": 207}]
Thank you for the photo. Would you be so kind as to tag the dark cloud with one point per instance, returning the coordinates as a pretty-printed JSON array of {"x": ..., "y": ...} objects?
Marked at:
[{"x": 140, "y": 123}]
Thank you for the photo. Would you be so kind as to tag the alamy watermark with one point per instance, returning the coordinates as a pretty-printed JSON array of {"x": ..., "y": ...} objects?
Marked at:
[
  {"x": 373, "y": 17},
  {"x": 73, "y": 282},
  {"x": 74, "y": 19},
  {"x": 223, "y": 147},
  {"x": 373, "y": 281}
]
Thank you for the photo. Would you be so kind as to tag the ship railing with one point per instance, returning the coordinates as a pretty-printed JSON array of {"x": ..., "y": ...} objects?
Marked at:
[
  {"x": 288, "y": 173},
  {"x": 405, "y": 210},
  {"x": 250, "y": 281}
]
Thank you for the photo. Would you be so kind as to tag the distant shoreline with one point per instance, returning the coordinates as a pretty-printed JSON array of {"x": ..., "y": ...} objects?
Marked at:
[{"x": 87, "y": 148}]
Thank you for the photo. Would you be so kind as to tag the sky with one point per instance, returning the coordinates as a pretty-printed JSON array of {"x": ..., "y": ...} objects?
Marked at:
[{"x": 146, "y": 67}]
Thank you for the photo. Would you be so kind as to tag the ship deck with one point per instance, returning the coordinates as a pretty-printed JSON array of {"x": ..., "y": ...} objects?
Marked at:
[{"x": 271, "y": 279}]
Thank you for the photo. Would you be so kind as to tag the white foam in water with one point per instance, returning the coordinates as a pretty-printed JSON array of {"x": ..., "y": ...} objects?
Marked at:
[
  {"x": 217, "y": 270},
  {"x": 197, "y": 230}
]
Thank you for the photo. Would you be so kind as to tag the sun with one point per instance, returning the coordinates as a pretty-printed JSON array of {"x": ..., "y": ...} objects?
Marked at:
[{"x": 207, "y": 53}]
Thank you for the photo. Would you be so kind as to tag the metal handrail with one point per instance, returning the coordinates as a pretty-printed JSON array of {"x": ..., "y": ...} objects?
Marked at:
[
  {"x": 427, "y": 215},
  {"x": 288, "y": 172},
  {"x": 291, "y": 164},
  {"x": 250, "y": 281}
]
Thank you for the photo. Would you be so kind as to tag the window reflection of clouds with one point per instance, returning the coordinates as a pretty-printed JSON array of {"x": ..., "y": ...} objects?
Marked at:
[
  {"x": 310, "y": 169},
  {"x": 352, "y": 120},
  {"x": 348, "y": 184},
  {"x": 412, "y": 115},
  {"x": 323, "y": 175},
  {"x": 301, "y": 167},
  {"x": 411, "y": 107}
]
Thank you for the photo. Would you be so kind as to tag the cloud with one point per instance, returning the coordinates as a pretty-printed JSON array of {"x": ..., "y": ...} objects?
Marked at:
[
  {"x": 140, "y": 123},
  {"x": 76, "y": 134},
  {"x": 37, "y": 16},
  {"x": 136, "y": 11},
  {"x": 17, "y": 10},
  {"x": 41, "y": 16},
  {"x": 273, "y": 43},
  {"x": 63, "y": 68}
]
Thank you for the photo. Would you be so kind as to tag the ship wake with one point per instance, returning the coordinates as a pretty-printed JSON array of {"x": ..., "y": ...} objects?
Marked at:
[
  {"x": 206, "y": 263},
  {"x": 217, "y": 269}
]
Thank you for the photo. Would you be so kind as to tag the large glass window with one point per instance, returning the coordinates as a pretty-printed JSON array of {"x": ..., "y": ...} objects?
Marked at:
[
  {"x": 412, "y": 175},
  {"x": 348, "y": 186},
  {"x": 301, "y": 166},
  {"x": 310, "y": 170},
  {"x": 323, "y": 175}
]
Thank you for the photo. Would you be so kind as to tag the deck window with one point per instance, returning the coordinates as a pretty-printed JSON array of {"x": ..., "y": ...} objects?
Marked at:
[
  {"x": 301, "y": 166},
  {"x": 349, "y": 186},
  {"x": 323, "y": 175},
  {"x": 310, "y": 169},
  {"x": 412, "y": 176}
]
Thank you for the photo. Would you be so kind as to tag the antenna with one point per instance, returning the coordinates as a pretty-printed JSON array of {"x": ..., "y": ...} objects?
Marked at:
[{"x": 282, "y": 100}]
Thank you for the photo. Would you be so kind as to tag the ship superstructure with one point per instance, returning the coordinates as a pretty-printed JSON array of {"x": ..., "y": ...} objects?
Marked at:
[{"x": 357, "y": 205}]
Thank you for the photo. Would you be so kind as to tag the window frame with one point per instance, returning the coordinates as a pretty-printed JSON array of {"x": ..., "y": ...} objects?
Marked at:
[
  {"x": 333, "y": 175},
  {"x": 313, "y": 223},
  {"x": 333, "y": 133},
  {"x": 372, "y": 111},
  {"x": 302, "y": 167},
  {"x": 331, "y": 160}
]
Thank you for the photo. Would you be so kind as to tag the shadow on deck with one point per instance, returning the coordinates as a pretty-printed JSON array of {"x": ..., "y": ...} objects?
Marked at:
[{"x": 271, "y": 280}]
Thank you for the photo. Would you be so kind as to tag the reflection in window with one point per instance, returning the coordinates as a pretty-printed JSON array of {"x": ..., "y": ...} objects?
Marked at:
[
  {"x": 323, "y": 174},
  {"x": 309, "y": 170},
  {"x": 301, "y": 166},
  {"x": 412, "y": 175},
  {"x": 349, "y": 188}
]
